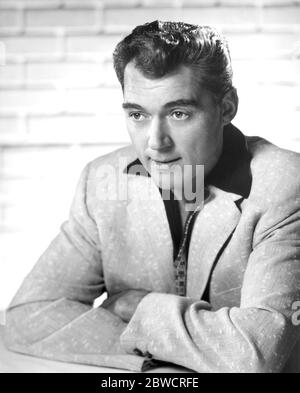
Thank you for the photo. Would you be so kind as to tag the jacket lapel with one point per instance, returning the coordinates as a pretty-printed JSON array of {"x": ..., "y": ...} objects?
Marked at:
[
  {"x": 213, "y": 227},
  {"x": 147, "y": 212}
]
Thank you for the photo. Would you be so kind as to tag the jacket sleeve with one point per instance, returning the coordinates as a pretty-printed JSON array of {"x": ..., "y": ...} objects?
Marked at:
[
  {"x": 257, "y": 336},
  {"x": 52, "y": 315}
]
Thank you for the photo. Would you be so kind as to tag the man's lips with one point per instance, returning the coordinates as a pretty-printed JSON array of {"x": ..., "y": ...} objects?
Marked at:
[{"x": 165, "y": 161}]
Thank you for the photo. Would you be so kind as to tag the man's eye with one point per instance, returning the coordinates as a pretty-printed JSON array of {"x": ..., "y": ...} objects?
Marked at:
[
  {"x": 136, "y": 116},
  {"x": 178, "y": 115}
]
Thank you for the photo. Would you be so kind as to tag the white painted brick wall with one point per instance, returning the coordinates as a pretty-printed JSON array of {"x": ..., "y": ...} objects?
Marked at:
[
  {"x": 60, "y": 103},
  {"x": 225, "y": 17},
  {"x": 25, "y": 46},
  {"x": 100, "y": 45},
  {"x": 282, "y": 15},
  {"x": 10, "y": 18}
]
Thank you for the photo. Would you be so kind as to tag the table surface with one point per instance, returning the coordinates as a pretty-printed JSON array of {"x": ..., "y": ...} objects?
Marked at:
[{"x": 16, "y": 363}]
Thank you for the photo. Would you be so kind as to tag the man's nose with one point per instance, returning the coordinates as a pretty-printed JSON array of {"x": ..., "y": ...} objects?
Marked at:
[{"x": 159, "y": 137}]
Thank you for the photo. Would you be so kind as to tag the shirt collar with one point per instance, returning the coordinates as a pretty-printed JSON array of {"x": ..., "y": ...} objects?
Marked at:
[{"x": 232, "y": 172}]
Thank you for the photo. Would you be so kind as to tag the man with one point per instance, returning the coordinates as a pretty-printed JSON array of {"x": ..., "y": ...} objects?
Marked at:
[{"x": 212, "y": 288}]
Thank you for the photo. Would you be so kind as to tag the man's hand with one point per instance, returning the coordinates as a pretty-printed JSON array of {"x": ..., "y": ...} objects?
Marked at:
[{"x": 124, "y": 303}]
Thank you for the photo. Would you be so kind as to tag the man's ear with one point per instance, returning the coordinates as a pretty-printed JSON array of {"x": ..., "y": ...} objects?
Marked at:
[{"x": 230, "y": 104}]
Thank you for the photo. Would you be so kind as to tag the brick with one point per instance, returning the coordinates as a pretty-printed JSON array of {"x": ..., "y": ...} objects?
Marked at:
[
  {"x": 262, "y": 3},
  {"x": 78, "y": 129},
  {"x": 239, "y": 2},
  {"x": 17, "y": 193},
  {"x": 34, "y": 162},
  {"x": 111, "y": 77},
  {"x": 269, "y": 111},
  {"x": 9, "y": 125},
  {"x": 12, "y": 129},
  {"x": 9, "y": 18},
  {"x": 49, "y": 162},
  {"x": 11, "y": 74},
  {"x": 61, "y": 18},
  {"x": 3, "y": 57},
  {"x": 274, "y": 98},
  {"x": 267, "y": 71},
  {"x": 32, "y": 100},
  {"x": 284, "y": 3},
  {"x": 26, "y": 45},
  {"x": 101, "y": 101},
  {"x": 258, "y": 3},
  {"x": 221, "y": 16},
  {"x": 101, "y": 45},
  {"x": 104, "y": 100},
  {"x": 121, "y": 3},
  {"x": 196, "y": 3},
  {"x": 90, "y": 152},
  {"x": 70, "y": 74},
  {"x": 282, "y": 129},
  {"x": 79, "y": 4},
  {"x": 281, "y": 15},
  {"x": 241, "y": 44},
  {"x": 49, "y": 4},
  {"x": 263, "y": 45},
  {"x": 165, "y": 3}
]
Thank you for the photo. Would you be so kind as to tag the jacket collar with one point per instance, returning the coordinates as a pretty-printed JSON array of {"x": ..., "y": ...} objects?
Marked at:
[{"x": 231, "y": 174}]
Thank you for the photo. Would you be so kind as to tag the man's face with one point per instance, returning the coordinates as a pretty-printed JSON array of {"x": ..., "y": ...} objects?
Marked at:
[{"x": 172, "y": 122}]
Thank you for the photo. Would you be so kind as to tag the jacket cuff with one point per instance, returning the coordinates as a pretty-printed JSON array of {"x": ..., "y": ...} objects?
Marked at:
[{"x": 158, "y": 328}]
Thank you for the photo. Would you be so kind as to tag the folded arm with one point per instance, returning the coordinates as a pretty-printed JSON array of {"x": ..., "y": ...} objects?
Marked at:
[
  {"x": 258, "y": 336},
  {"x": 52, "y": 315}
]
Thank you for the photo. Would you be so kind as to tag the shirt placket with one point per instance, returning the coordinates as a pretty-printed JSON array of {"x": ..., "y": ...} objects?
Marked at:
[{"x": 180, "y": 262}]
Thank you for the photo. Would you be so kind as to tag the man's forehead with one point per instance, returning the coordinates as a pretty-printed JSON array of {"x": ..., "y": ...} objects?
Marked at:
[
  {"x": 181, "y": 84},
  {"x": 134, "y": 76}
]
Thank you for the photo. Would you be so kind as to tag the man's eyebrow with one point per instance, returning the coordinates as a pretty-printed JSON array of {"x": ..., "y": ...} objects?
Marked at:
[
  {"x": 172, "y": 104},
  {"x": 130, "y": 105},
  {"x": 182, "y": 102}
]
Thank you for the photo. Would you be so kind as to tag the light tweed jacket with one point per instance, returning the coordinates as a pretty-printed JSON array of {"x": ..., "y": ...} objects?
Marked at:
[{"x": 245, "y": 248}]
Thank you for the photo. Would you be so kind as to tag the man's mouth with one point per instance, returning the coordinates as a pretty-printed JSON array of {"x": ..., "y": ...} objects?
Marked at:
[
  {"x": 163, "y": 165},
  {"x": 165, "y": 161}
]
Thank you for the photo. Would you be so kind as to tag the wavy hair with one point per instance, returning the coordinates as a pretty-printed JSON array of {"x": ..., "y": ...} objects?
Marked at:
[{"x": 158, "y": 48}]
